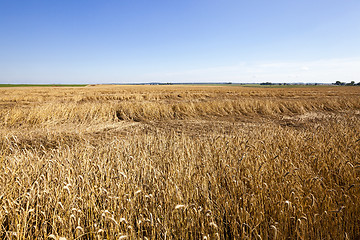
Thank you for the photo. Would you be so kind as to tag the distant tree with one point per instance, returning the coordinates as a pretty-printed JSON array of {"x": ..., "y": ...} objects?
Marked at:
[
  {"x": 339, "y": 83},
  {"x": 266, "y": 83}
]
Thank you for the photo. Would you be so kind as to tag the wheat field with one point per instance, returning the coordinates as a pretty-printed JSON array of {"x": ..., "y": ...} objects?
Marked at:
[{"x": 179, "y": 162}]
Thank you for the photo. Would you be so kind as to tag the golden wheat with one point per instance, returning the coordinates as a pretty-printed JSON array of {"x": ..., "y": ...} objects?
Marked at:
[{"x": 180, "y": 162}]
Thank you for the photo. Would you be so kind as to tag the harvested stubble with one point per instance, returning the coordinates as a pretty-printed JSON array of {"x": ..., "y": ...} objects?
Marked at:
[{"x": 180, "y": 163}]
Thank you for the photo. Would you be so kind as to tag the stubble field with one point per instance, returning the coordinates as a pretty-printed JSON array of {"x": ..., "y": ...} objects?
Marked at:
[{"x": 179, "y": 162}]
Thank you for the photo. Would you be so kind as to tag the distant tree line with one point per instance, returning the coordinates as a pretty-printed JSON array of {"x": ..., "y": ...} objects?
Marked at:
[
  {"x": 270, "y": 83},
  {"x": 352, "y": 83},
  {"x": 338, "y": 83}
]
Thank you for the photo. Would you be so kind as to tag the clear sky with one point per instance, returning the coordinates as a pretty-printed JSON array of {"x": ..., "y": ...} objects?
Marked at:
[{"x": 131, "y": 41}]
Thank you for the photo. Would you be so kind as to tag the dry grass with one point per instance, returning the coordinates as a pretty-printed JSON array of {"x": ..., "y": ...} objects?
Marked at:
[{"x": 180, "y": 162}]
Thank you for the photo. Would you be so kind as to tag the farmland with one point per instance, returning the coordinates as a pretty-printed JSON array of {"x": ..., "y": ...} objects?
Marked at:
[{"x": 179, "y": 162}]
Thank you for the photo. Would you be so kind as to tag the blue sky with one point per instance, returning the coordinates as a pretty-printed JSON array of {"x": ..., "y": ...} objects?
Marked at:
[{"x": 132, "y": 41}]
